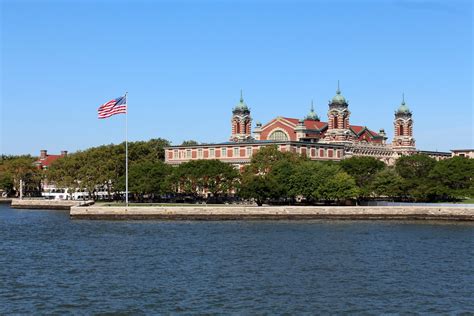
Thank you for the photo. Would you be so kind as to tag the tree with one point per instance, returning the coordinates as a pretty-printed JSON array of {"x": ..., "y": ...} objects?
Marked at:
[
  {"x": 266, "y": 158},
  {"x": 414, "y": 171},
  {"x": 6, "y": 182},
  {"x": 267, "y": 175},
  {"x": 198, "y": 177},
  {"x": 147, "y": 178},
  {"x": 452, "y": 178},
  {"x": 20, "y": 168},
  {"x": 258, "y": 187},
  {"x": 308, "y": 176},
  {"x": 103, "y": 168},
  {"x": 363, "y": 170},
  {"x": 387, "y": 183},
  {"x": 189, "y": 143},
  {"x": 337, "y": 188},
  {"x": 64, "y": 173}
]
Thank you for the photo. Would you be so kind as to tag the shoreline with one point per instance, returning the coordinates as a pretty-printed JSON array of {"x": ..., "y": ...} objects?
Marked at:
[{"x": 217, "y": 213}]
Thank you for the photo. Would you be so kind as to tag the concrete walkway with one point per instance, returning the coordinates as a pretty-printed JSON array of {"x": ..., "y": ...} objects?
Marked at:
[{"x": 273, "y": 213}]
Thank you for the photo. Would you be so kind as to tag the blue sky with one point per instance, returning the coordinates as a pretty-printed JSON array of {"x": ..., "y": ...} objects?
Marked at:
[{"x": 183, "y": 64}]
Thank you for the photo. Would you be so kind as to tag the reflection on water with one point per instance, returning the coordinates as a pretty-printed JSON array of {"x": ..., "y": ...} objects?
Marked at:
[{"x": 49, "y": 263}]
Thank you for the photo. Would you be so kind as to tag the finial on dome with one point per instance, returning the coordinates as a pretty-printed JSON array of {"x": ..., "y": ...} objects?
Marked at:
[
  {"x": 338, "y": 91},
  {"x": 312, "y": 107},
  {"x": 403, "y": 98},
  {"x": 241, "y": 96}
]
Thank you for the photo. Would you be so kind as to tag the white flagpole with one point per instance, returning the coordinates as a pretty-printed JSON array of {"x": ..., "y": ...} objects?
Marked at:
[{"x": 126, "y": 151}]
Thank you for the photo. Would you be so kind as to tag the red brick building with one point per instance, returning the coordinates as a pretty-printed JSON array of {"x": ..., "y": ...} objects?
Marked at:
[
  {"x": 335, "y": 139},
  {"x": 45, "y": 160}
]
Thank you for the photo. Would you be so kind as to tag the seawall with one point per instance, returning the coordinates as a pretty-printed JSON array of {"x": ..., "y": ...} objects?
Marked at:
[
  {"x": 47, "y": 204},
  {"x": 273, "y": 213}
]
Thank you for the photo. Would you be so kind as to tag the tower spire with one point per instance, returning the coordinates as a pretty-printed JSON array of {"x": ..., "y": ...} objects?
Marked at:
[
  {"x": 338, "y": 91},
  {"x": 403, "y": 98},
  {"x": 312, "y": 107},
  {"x": 241, "y": 96}
]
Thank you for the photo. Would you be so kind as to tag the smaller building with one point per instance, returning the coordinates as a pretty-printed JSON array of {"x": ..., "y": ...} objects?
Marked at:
[
  {"x": 49, "y": 190},
  {"x": 45, "y": 160},
  {"x": 469, "y": 153}
]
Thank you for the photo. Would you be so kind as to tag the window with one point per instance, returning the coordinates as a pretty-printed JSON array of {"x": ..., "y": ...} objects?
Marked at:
[
  {"x": 249, "y": 151},
  {"x": 278, "y": 135},
  {"x": 175, "y": 154},
  {"x": 236, "y": 152},
  {"x": 188, "y": 153},
  {"x": 212, "y": 153},
  {"x": 224, "y": 152},
  {"x": 200, "y": 153},
  {"x": 308, "y": 151}
]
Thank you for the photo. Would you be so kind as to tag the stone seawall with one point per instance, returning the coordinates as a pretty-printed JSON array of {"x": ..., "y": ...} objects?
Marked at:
[
  {"x": 274, "y": 213},
  {"x": 47, "y": 204}
]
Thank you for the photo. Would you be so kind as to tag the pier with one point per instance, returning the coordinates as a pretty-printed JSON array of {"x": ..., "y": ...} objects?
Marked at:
[{"x": 47, "y": 204}]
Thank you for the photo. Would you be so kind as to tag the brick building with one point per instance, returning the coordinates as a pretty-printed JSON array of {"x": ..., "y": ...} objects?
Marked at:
[{"x": 335, "y": 139}]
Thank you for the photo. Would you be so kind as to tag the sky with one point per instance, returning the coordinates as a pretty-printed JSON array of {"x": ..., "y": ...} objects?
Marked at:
[{"x": 183, "y": 64}]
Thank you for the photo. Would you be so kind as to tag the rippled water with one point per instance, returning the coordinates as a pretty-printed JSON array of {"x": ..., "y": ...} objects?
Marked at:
[{"x": 51, "y": 264}]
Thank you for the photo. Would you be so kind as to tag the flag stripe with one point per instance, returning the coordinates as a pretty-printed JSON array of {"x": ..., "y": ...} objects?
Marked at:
[{"x": 112, "y": 107}]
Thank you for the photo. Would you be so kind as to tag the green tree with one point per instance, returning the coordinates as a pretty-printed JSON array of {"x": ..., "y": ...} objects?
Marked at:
[
  {"x": 338, "y": 187},
  {"x": 265, "y": 159},
  {"x": 189, "y": 143},
  {"x": 452, "y": 178},
  {"x": 267, "y": 175},
  {"x": 6, "y": 182},
  {"x": 146, "y": 178},
  {"x": 387, "y": 183},
  {"x": 14, "y": 169},
  {"x": 103, "y": 167},
  {"x": 414, "y": 171},
  {"x": 258, "y": 187},
  {"x": 197, "y": 177},
  {"x": 64, "y": 173},
  {"x": 363, "y": 170},
  {"x": 309, "y": 176}
]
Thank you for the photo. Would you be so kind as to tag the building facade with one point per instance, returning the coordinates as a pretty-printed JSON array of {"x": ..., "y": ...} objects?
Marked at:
[
  {"x": 469, "y": 153},
  {"x": 334, "y": 140}
]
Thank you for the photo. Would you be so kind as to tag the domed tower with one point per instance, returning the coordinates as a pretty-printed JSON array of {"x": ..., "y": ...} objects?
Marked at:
[
  {"x": 338, "y": 119},
  {"x": 241, "y": 122},
  {"x": 312, "y": 116},
  {"x": 403, "y": 124}
]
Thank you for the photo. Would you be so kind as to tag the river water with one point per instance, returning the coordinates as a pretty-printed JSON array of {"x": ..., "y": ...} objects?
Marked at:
[{"x": 51, "y": 264}]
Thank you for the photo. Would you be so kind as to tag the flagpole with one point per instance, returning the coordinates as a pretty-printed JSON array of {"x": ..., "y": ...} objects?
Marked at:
[{"x": 126, "y": 151}]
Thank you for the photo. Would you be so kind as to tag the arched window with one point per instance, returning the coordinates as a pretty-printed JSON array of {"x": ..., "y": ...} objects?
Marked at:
[
  {"x": 401, "y": 130},
  {"x": 278, "y": 135},
  {"x": 335, "y": 122},
  {"x": 237, "y": 127}
]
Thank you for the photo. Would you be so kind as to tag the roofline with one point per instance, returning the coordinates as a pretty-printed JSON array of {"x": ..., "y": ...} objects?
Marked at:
[
  {"x": 456, "y": 150},
  {"x": 442, "y": 153},
  {"x": 257, "y": 142}
]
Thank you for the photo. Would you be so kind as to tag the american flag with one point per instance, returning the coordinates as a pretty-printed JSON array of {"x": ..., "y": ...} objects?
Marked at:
[{"x": 115, "y": 106}]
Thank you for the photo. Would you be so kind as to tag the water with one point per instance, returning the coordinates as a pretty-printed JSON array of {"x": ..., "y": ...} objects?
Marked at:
[{"x": 50, "y": 264}]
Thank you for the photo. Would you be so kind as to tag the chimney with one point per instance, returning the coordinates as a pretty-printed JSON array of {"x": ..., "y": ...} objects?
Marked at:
[
  {"x": 63, "y": 153},
  {"x": 43, "y": 153}
]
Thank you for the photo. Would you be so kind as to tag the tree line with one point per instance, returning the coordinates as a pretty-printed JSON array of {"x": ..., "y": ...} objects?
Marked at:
[{"x": 271, "y": 177}]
